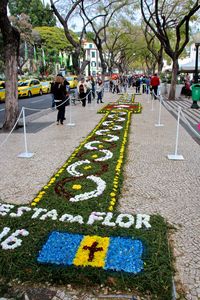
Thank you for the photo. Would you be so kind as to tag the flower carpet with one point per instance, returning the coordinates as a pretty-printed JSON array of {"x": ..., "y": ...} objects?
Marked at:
[{"x": 72, "y": 232}]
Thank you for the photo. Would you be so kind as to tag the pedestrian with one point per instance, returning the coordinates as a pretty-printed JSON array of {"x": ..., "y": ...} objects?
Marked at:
[
  {"x": 82, "y": 91},
  {"x": 93, "y": 87},
  {"x": 144, "y": 85},
  {"x": 89, "y": 90},
  {"x": 147, "y": 84},
  {"x": 99, "y": 90},
  {"x": 59, "y": 93},
  {"x": 137, "y": 85},
  {"x": 155, "y": 82},
  {"x": 52, "y": 95},
  {"x": 124, "y": 83},
  {"x": 110, "y": 85},
  {"x": 67, "y": 89}
]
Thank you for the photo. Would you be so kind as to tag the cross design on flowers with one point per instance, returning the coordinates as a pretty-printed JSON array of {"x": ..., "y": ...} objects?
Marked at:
[{"x": 92, "y": 250}]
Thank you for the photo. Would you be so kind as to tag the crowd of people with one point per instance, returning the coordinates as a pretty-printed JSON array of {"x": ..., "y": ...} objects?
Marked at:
[
  {"x": 89, "y": 89},
  {"x": 142, "y": 84}
]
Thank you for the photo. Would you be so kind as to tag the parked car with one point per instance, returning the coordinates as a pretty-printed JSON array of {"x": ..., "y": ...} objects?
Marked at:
[
  {"x": 73, "y": 81},
  {"x": 2, "y": 91},
  {"x": 46, "y": 87},
  {"x": 2, "y": 94},
  {"x": 30, "y": 87}
]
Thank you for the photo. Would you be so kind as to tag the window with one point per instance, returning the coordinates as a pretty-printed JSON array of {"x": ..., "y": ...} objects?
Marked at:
[
  {"x": 93, "y": 64},
  {"x": 90, "y": 45},
  {"x": 93, "y": 54}
]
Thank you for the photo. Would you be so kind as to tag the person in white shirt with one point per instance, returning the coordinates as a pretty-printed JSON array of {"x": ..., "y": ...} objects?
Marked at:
[
  {"x": 89, "y": 90},
  {"x": 99, "y": 90}
]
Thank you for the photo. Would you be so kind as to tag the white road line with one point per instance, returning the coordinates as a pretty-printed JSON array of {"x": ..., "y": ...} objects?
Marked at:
[
  {"x": 38, "y": 101},
  {"x": 2, "y": 109}
]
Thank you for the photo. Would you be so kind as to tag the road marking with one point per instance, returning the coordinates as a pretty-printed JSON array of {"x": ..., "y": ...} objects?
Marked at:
[
  {"x": 2, "y": 109},
  {"x": 38, "y": 101}
]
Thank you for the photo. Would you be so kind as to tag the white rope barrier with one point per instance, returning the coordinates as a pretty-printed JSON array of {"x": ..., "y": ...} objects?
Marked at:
[
  {"x": 159, "y": 115},
  {"x": 175, "y": 156},
  {"x": 189, "y": 125},
  {"x": 70, "y": 114},
  {"x": 11, "y": 129},
  {"x": 25, "y": 154},
  {"x": 168, "y": 107},
  {"x": 183, "y": 117},
  {"x": 152, "y": 104}
]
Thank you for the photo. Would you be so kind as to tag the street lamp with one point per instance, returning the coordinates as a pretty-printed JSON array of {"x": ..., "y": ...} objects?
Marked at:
[{"x": 196, "y": 76}]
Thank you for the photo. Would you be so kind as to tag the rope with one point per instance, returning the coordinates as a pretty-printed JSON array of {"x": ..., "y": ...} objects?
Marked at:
[
  {"x": 11, "y": 129},
  {"x": 36, "y": 109},
  {"x": 189, "y": 125},
  {"x": 183, "y": 117},
  {"x": 86, "y": 95}
]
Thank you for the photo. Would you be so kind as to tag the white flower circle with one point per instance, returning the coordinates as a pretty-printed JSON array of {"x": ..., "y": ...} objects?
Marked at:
[
  {"x": 101, "y": 185},
  {"x": 71, "y": 169}
]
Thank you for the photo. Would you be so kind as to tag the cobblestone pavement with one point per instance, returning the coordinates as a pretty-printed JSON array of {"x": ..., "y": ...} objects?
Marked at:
[{"x": 153, "y": 184}]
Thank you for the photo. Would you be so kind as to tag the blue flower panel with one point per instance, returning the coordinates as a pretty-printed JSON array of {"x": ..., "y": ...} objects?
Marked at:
[
  {"x": 60, "y": 248},
  {"x": 124, "y": 254}
]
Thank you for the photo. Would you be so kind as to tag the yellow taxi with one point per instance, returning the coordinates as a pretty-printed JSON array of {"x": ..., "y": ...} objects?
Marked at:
[
  {"x": 2, "y": 91},
  {"x": 28, "y": 88},
  {"x": 73, "y": 81},
  {"x": 46, "y": 87}
]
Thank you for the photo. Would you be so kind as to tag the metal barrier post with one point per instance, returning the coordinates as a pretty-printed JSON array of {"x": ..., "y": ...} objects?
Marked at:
[
  {"x": 175, "y": 156},
  {"x": 25, "y": 154}
]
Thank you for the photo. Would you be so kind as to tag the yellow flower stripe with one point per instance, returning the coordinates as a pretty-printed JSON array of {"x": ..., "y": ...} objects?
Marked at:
[
  {"x": 119, "y": 165},
  {"x": 60, "y": 171}
]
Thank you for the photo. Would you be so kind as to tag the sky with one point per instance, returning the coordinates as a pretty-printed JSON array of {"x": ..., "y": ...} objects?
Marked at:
[{"x": 75, "y": 20}]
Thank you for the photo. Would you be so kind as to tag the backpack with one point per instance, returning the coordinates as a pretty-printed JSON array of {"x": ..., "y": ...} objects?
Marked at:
[{"x": 81, "y": 89}]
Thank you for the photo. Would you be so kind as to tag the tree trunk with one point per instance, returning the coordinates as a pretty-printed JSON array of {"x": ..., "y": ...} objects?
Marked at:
[
  {"x": 76, "y": 61},
  {"x": 11, "y": 41},
  {"x": 11, "y": 101},
  {"x": 103, "y": 63},
  {"x": 172, "y": 91},
  {"x": 160, "y": 64},
  {"x": 84, "y": 65}
]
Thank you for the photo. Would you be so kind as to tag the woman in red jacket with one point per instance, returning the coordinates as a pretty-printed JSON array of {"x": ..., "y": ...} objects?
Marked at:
[{"x": 155, "y": 82}]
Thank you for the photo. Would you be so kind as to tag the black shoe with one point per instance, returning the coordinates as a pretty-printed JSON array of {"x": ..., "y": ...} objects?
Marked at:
[
  {"x": 64, "y": 119},
  {"x": 102, "y": 102}
]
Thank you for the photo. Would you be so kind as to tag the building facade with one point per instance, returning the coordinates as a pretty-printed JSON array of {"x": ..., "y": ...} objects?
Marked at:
[{"x": 92, "y": 55}]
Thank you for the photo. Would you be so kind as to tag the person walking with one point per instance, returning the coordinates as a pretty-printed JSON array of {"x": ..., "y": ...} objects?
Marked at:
[
  {"x": 89, "y": 90},
  {"x": 155, "y": 82},
  {"x": 82, "y": 91},
  {"x": 52, "y": 95},
  {"x": 93, "y": 87},
  {"x": 99, "y": 90},
  {"x": 59, "y": 92},
  {"x": 137, "y": 85}
]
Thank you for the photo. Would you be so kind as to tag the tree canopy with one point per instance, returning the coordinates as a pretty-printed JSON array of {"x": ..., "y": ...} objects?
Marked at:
[
  {"x": 53, "y": 38},
  {"x": 40, "y": 15}
]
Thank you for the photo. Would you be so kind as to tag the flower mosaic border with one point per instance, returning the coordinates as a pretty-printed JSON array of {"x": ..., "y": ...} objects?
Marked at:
[
  {"x": 126, "y": 98},
  {"x": 115, "y": 188},
  {"x": 72, "y": 222}
]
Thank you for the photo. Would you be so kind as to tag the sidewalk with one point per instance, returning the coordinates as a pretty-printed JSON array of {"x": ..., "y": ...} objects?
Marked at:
[{"x": 152, "y": 183}]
